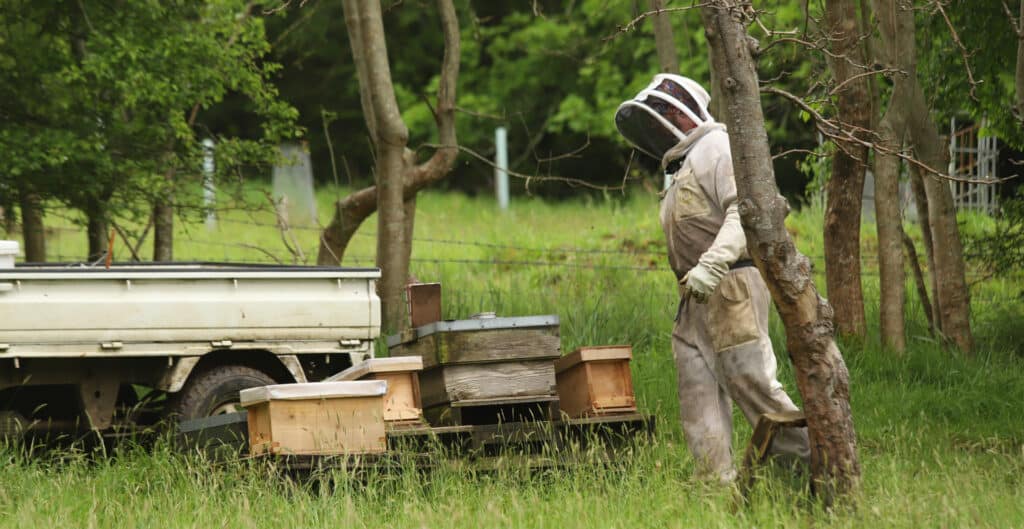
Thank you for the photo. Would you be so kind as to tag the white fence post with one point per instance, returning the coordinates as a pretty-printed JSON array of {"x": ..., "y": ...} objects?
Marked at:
[
  {"x": 209, "y": 187},
  {"x": 501, "y": 169}
]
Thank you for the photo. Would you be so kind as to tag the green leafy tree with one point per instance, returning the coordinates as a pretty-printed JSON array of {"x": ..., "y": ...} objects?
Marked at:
[{"x": 106, "y": 111}]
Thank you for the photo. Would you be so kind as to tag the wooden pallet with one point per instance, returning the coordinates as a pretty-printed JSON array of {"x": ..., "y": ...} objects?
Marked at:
[
  {"x": 538, "y": 443},
  {"x": 472, "y": 412}
]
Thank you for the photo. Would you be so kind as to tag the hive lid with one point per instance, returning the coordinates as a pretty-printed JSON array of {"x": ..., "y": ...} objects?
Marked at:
[
  {"x": 9, "y": 247},
  {"x": 479, "y": 324},
  {"x": 594, "y": 354},
  {"x": 380, "y": 365},
  {"x": 314, "y": 390}
]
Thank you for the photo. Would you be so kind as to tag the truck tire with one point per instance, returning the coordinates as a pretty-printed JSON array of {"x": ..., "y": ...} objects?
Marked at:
[{"x": 215, "y": 390}]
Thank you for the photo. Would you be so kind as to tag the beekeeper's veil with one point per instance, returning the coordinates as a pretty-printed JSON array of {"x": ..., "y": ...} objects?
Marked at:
[{"x": 662, "y": 114}]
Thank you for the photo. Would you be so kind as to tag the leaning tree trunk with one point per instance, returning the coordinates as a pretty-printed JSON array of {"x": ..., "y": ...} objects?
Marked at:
[
  {"x": 664, "y": 42},
  {"x": 923, "y": 220},
  {"x": 820, "y": 370},
  {"x": 33, "y": 230},
  {"x": 845, "y": 188},
  {"x": 951, "y": 293}
]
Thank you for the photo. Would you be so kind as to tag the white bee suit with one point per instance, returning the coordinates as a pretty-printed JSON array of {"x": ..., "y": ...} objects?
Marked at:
[{"x": 721, "y": 347}]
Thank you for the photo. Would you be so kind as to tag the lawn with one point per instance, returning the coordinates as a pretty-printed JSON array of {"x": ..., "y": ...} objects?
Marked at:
[{"x": 941, "y": 439}]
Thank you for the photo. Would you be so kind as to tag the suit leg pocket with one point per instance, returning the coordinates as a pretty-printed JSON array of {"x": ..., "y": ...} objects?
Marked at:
[{"x": 731, "y": 319}]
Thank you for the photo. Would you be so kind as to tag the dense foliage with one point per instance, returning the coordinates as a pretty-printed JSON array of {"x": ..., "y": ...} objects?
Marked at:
[{"x": 104, "y": 107}]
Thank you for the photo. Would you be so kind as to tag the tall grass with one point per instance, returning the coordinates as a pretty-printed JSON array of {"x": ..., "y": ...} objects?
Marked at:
[{"x": 940, "y": 436}]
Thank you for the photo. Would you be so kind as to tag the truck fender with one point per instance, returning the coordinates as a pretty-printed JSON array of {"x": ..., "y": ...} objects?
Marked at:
[
  {"x": 175, "y": 376},
  {"x": 291, "y": 363}
]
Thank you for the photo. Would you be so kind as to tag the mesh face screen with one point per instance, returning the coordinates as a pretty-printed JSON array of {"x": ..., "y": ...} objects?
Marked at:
[{"x": 641, "y": 128}]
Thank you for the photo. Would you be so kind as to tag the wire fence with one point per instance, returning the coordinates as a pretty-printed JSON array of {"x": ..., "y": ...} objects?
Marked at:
[{"x": 658, "y": 257}]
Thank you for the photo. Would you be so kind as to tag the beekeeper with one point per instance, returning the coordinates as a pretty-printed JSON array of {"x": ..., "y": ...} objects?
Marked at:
[{"x": 720, "y": 340}]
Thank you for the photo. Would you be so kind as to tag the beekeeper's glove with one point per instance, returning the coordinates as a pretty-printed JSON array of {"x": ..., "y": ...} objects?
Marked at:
[{"x": 700, "y": 282}]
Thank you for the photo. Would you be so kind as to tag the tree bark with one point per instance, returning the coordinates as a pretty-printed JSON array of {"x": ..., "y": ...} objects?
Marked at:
[
  {"x": 820, "y": 370},
  {"x": 1019, "y": 78},
  {"x": 392, "y": 135},
  {"x": 922, "y": 289},
  {"x": 845, "y": 188},
  {"x": 888, "y": 215},
  {"x": 664, "y": 43},
  {"x": 950, "y": 292},
  {"x": 888, "y": 222},
  {"x": 163, "y": 232},
  {"x": 923, "y": 220},
  {"x": 33, "y": 230},
  {"x": 717, "y": 105},
  {"x": 96, "y": 228}
]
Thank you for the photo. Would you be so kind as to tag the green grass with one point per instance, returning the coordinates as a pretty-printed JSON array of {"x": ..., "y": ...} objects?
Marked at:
[{"x": 941, "y": 440}]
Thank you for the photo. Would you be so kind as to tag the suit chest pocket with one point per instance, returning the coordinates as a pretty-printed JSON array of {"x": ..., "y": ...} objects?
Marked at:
[{"x": 688, "y": 197}]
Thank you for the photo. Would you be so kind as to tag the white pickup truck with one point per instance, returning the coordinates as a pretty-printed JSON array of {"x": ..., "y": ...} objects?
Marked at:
[{"x": 78, "y": 343}]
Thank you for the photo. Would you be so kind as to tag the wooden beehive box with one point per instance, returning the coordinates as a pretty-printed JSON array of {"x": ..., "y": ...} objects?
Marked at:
[
  {"x": 596, "y": 381},
  {"x": 402, "y": 401},
  {"x": 489, "y": 359},
  {"x": 319, "y": 418}
]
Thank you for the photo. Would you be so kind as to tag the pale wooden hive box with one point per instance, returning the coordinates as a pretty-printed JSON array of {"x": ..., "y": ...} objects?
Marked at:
[
  {"x": 402, "y": 400},
  {"x": 596, "y": 381},
  {"x": 319, "y": 418}
]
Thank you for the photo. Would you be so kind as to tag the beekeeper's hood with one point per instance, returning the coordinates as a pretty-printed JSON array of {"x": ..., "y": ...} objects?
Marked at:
[{"x": 662, "y": 115}]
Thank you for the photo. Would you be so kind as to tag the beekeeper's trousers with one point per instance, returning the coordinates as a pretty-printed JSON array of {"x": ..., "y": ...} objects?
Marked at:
[{"x": 723, "y": 355}]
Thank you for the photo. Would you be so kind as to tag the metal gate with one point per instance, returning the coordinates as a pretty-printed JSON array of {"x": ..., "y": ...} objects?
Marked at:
[{"x": 975, "y": 157}]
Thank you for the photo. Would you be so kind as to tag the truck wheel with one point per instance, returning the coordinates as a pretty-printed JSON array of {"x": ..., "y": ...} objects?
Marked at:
[{"x": 215, "y": 391}]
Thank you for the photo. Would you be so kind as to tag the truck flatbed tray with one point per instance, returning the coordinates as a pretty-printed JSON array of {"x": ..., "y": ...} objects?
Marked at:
[{"x": 181, "y": 268}]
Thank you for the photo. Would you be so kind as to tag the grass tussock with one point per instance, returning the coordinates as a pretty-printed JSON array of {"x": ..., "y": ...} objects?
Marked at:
[{"x": 941, "y": 441}]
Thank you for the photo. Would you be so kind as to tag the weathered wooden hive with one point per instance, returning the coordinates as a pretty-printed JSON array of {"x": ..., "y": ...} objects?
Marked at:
[{"x": 485, "y": 370}]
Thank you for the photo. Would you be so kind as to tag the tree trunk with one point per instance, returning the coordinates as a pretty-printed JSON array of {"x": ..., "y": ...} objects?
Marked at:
[
  {"x": 96, "y": 228},
  {"x": 845, "y": 188},
  {"x": 349, "y": 214},
  {"x": 163, "y": 232},
  {"x": 392, "y": 135},
  {"x": 355, "y": 208},
  {"x": 923, "y": 220},
  {"x": 888, "y": 221},
  {"x": 950, "y": 292},
  {"x": 664, "y": 43},
  {"x": 922, "y": 289},
  {"x": 820, "y": 370},
  {"x": 717, "y": 105},
  {"x": 1020, "y": 65},
  {"x": 33, "y": 231},
  {"x": 410, "y": 228}
]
